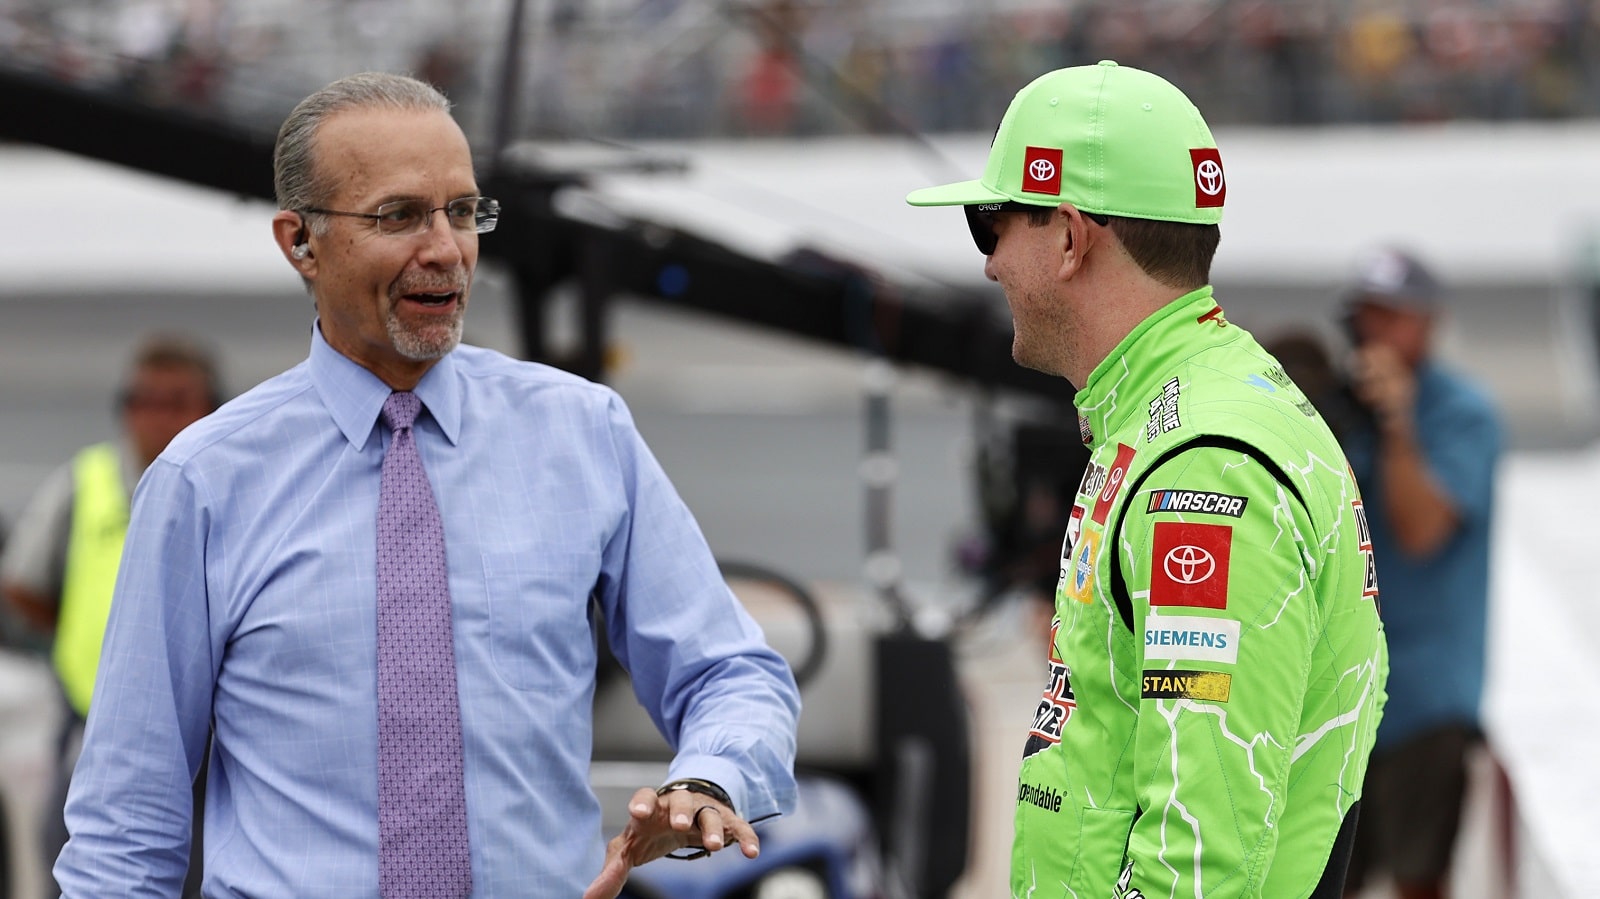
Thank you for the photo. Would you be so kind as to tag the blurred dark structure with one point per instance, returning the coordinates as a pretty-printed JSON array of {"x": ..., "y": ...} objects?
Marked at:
[{"x": 1028, "y": 477}]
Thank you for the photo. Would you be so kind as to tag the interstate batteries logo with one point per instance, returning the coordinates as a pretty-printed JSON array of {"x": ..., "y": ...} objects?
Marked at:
[
  {"x": 1055, "y": 706},
  {"x": 1369, "y": 587}
]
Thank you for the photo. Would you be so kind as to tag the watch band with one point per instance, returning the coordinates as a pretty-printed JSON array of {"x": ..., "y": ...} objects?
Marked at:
[
  {"x": 696, "y": 785},
  {"x": 703, "y": 788}
]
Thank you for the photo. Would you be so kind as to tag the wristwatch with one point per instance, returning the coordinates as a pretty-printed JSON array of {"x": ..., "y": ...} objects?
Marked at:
[
  {"x": 703, "y": 788},
  {"x": 696, "y": 785}
]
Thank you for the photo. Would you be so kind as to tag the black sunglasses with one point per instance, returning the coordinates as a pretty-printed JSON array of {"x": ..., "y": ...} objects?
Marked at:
[{"x": 980, "y": 220}]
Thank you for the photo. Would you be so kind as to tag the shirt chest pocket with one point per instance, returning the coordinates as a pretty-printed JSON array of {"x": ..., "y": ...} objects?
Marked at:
[{"x": 539, "y": 636}]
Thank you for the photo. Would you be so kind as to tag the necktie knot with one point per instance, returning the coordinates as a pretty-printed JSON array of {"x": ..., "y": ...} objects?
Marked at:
[{"x": 400, "y": 410}]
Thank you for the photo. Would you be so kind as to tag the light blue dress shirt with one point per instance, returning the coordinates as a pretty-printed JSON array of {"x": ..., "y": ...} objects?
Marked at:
[{"x": 246, "y": 603}]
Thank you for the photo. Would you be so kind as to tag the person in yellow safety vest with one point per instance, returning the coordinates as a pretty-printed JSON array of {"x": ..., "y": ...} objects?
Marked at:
[{"x": 60, "y": 563}]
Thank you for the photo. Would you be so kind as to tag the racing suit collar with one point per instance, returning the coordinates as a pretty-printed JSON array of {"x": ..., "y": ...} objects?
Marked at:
[{"x": 1118, "y": 388}]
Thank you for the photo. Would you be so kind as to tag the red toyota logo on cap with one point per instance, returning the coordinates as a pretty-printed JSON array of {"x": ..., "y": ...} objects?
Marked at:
[
  {"x": 1210, "y": 187},
  {"x": 1041, "y": 171}
]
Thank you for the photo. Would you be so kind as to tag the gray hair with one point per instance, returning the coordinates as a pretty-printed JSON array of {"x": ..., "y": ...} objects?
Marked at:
[{"x": 294, "y": 175}]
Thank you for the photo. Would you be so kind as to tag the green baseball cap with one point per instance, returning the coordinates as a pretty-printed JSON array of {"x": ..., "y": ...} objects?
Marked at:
[{"x": 1105, "y": 138}]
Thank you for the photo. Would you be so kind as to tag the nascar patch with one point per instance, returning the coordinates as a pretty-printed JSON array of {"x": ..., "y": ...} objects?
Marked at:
[
  {"x": 1189, "y": 638},
  {"x": 1211, "y": 686},
  {"x": 1189, "y": 564},
  {"x": 1197, "y": 501}
]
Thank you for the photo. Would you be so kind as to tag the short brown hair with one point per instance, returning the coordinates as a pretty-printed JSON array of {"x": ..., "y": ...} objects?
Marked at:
[
  {"x": 1178, "y": 254},
  {"x": 178, "y": 351}
]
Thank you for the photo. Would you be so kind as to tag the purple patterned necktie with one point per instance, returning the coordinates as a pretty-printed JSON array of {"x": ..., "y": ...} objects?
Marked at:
[{"x": 422, "y": 804}]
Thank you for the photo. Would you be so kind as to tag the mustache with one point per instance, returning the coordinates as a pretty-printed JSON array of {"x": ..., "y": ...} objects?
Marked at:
[{"x": 446, "y": 282}]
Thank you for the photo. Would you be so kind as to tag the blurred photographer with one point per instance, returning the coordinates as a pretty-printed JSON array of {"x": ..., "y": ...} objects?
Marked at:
[
  {"x": 1424, "y": 454},
  {"x": 1305, "y": 357}
]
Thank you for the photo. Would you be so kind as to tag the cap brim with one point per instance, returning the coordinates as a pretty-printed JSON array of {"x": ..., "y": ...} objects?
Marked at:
[{"x": 962, "y": 193}]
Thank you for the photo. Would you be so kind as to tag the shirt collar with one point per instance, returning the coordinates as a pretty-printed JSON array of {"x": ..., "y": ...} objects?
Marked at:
[{"x": 354, "y": 396}]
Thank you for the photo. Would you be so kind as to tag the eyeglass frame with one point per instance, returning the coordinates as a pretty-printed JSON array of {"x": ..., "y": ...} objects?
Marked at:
[
  {"x": 426, "y": 219},
  {"x": 981, "y": 223}
]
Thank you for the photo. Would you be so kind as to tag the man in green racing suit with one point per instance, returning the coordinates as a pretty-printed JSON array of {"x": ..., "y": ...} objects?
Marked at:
[{"x": 1217, "y": 664}]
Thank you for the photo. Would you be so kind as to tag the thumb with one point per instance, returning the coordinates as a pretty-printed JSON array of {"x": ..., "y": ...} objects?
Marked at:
[{"x": 610, "y": 881}]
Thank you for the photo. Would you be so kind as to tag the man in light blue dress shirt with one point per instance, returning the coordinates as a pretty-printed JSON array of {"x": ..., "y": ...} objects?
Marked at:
[{"x": 245, "y": 605}]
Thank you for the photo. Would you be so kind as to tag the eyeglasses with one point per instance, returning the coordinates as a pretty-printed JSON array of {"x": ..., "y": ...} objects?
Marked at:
[
  {"x": 980, "y": 220},
  {"x": 405, "y": 217}
]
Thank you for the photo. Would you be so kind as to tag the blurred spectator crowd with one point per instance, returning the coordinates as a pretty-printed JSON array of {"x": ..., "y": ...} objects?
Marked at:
[{"x": 687, "y": 68}]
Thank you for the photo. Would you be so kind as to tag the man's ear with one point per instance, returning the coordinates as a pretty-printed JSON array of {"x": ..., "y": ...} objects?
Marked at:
[
  {"x": 1075, "y": 242},
  {"x": 292, "y": 236}
]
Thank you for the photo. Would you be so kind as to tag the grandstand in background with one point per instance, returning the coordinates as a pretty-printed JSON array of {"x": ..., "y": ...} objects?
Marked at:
[{"x": 632, "y": 69}]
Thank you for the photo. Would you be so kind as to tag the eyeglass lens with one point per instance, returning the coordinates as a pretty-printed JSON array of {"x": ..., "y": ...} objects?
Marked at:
[{"x": 479, "y": 214}]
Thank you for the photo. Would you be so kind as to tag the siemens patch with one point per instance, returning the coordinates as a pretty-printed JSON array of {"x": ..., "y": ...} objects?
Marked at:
[
  {"x": 1196, "y": 501},
  {"x": 1212, "y": 686},
  {"x": 1175, "y": 637}
]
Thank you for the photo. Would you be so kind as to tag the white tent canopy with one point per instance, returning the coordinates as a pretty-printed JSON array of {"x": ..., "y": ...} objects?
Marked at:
[{"x": 1488, "y": 203}]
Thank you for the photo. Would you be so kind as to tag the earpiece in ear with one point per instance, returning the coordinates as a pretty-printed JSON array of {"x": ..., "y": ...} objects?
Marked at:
[{"x": 302, "y": 247}]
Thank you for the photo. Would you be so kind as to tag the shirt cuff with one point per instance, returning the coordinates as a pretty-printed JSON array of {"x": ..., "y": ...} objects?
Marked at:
[{"x": 719, "y": 771}]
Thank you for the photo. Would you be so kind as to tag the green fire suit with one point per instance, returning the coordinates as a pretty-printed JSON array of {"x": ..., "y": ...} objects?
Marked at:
[{"x": 1217, "y": 664}]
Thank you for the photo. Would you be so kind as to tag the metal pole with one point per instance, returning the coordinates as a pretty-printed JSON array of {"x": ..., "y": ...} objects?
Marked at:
[
  {"x": 879, "y": 471},
  {"x": 510, "y": 85}
]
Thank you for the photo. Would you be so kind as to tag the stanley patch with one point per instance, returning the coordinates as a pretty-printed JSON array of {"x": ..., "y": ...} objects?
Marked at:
[{"x": 1212, "y": 686}]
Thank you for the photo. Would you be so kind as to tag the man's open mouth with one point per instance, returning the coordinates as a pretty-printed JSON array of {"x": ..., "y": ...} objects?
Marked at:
[{"x": 441, "y": 298}]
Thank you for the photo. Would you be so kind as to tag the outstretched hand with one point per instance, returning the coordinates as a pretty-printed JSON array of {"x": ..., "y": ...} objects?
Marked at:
[{"x": 659, "y": 824}]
